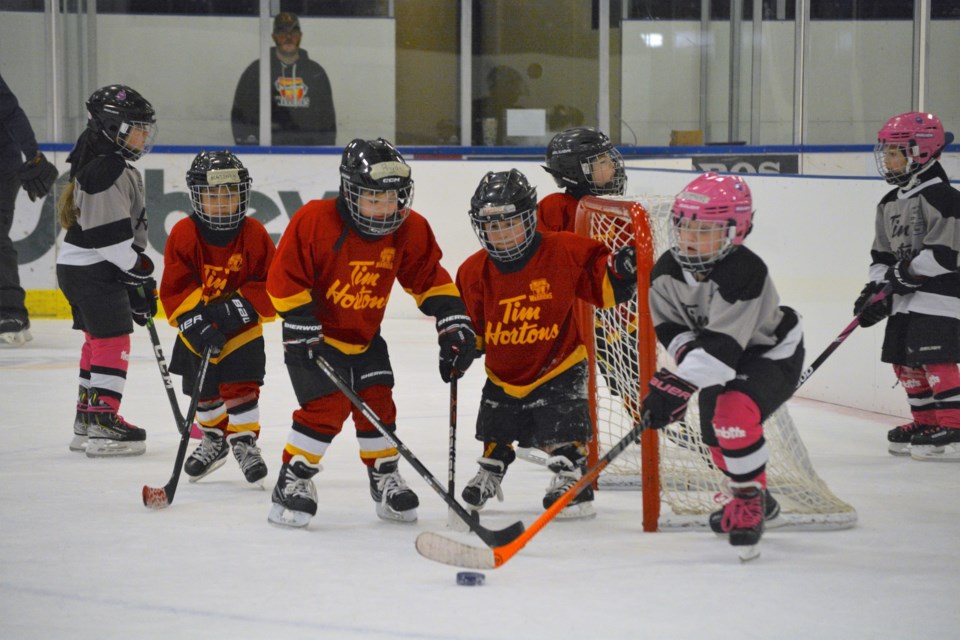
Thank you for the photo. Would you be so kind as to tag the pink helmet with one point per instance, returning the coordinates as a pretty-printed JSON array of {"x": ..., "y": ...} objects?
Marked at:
[
  {"x": 712, "y": 198},
  {"x": 919, "y": 136}
]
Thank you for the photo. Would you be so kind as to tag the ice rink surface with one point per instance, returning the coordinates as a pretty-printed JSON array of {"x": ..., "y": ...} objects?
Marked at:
[{"x": 81, "y": 558}]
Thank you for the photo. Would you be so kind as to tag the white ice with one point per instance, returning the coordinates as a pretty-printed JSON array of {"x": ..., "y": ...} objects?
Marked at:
[{"x": 80, "y": 556}]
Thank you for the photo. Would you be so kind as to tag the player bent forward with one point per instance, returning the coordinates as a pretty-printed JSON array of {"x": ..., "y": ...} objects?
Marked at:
[
  {"x": 717, "y": 313},
  {"x": 332, "y": 276},
  {"x": 521, "y": 289}
]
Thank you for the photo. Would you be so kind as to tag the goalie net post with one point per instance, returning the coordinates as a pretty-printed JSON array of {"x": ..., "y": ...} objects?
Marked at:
[{"x": 672, "y": 468}]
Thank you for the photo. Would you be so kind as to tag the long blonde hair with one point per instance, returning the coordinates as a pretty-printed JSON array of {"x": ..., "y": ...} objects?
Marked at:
[{"x": 66, "y": 206}]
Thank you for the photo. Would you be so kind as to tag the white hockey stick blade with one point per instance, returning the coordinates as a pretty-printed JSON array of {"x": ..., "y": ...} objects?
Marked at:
[
  {"x": 440, "y": 548},
  {"x": 535, "y": 456}
]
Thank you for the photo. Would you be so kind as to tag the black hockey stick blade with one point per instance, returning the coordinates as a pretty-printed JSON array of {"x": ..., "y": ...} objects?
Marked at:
[
  {"x": 162, "y": 497},
  {"x": 490, "y": 537}
]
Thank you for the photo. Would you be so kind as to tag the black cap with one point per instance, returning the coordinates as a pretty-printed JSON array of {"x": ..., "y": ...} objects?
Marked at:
[{"x": 286, "y": 22}]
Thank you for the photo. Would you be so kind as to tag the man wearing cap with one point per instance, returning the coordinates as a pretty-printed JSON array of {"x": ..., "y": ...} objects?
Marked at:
[{"x": 302, "y": 103}]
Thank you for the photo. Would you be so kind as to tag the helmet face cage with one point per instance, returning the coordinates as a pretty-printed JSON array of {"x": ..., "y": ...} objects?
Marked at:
[
  {"x": 376, "y": 186},
  {"x": 606, "y": 164},
  {"x": 503, "y": 213},
  {"x": 906, "y": 146},
  {"x": 711, "y": 217},
  {"x": 125, "y": 118},
  {"x": 574, "y": 157},
  {"x": 219, "y": 189}
]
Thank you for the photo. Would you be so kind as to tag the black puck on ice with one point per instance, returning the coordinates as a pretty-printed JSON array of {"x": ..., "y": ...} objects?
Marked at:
[{"x": 470, "y": 578}]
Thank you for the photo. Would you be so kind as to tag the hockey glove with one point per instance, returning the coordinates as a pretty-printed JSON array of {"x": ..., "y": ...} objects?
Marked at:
[
  {"x": 143, "y": 302},
  {"x": 139, "y": 273},
  {"x": 667, "y": 398},
  {"x": 302, "y": 337},
  {"x": 199, "y": 332},
  {"x": 231, "y": 315},
  {"x": 37, "y": 176},
  {"x": 458, "y": 345},
  {"x": 901, "y": 280},
  {"x": 871, "y": 314},
  {"x": 623, "y": 263}
]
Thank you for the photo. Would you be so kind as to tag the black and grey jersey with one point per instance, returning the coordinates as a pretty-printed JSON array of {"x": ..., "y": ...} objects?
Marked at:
[
  {"x": 708, "y": 327},
  {"x": 112, "y": 225}
]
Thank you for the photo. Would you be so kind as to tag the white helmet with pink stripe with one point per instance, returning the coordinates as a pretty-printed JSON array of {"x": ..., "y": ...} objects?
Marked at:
[
  {"x": 908, "y": 144},
  {"x": 711, "y": 216}
]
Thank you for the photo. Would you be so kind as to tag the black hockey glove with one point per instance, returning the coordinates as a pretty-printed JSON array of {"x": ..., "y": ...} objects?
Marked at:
[
  {"x": 37, "y": 176},
  {"x": 139, "y": 273},
  {"x": 231, "y": 315},
  {"x": 623, "y": 263},
  {"x": 901, "y": 280},
  {"x": 458, "y": 345},
  {"x": 871, "y": 314},
  {"x": 143, "y": 301},
  {"x": 667, "y": 398},
  {"x": 302, "y": 337},
  {"x": 199, "y": 332}
]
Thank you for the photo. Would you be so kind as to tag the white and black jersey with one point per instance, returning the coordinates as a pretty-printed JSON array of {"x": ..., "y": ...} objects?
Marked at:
[
  {"x": 711, "y": 327},
  {"x": 921, "y": 225},
  {"x": 112, "y": 225}
]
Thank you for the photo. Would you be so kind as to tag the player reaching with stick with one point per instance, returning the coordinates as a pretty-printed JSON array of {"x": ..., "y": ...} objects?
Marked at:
[
  {"x": 915, "y": 250},
  {"x": 332, "y": 276},
  {"x": 717, "y": 313}
]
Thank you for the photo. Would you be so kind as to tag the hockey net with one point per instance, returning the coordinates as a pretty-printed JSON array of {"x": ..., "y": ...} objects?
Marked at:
[{"x": 673, "y": 467}]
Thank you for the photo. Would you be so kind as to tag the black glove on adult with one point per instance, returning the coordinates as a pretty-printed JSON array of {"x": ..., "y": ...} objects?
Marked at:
[
  {"x": 231, "y": 315},
  {"x": 199, "y": 332},
  {"x": 667, "y": 398},
  {"x": 302, "y": 337},
  {"x": 871, "y": 314},
  {"x": 37, "y": 176},
  {"x": 143, "y": 301},
  {"x": 458, "y": 345},
  {"x": 901, "y": 280}
]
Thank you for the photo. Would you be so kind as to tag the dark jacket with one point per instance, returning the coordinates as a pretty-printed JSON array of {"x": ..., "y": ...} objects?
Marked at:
[{"x": 17, "y": 141}]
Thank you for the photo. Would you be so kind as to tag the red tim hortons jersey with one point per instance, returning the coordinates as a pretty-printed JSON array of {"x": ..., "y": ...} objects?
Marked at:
[
  {"x": 348, "y": 279},
  {"x": 526, "y": 318},
  {"x": 557, "y": 212}
]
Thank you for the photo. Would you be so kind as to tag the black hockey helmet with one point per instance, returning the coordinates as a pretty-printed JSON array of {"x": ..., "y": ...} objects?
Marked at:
[
  {"x": 375, "y": 171},
  {"x": 503, "y": 212},
  {"x": 572, "y": 160},
  {"x": 219, "y": 180},
  {"x": 115, "y": 111}
]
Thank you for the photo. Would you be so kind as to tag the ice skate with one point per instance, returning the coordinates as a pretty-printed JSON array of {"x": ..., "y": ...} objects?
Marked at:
[
  {"x": 936, "y": 444},
  {"x": 899, "y": 437},
  {"x": 566, "y": 474},
  {"x": 247, "y": 453},
  {"x": 15, "y": 332},
  {"x": 295, "y": 496},
  {"x": 743, "y": 518},
  {"x": 79, "y": 441},
  {"x": 395, "y": 501},
  {"x": 209, "y": 455},
  {"x": 771, "y": 514},
  {"x": 109, "y": 435},
  {"x": 486, "y": 484}
]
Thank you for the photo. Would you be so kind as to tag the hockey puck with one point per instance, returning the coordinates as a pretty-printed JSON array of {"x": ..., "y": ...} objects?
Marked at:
[{"x": 470, "y": 578}]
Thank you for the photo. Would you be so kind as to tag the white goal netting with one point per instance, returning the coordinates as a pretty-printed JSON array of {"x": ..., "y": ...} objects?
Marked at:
[{"x": 688, "y": 480}]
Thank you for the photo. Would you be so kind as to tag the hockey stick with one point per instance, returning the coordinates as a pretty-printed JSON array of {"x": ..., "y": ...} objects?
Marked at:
[
  {"x": 439, "y": 548},
  {"x": 162, "y": 497},
  {"x": 490, "y": 537},
  {"x": 453, "y": 521},
  {"x": 164, "y": 370},
  {"x": 833, "y": 346}
]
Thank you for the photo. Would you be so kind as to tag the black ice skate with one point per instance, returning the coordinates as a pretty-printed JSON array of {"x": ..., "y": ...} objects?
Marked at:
[
  {"x": 295, "y": 496},
  {"x": 395, "y": 501},
  {"x": 743, "y": 518},
  {"x": 247, "y": 453},
  {"x": 568, "y": 464},
  {"x": 15, "y": 332},
  {"x": 486, "y": 484},
  {"x": 79, "y": 441},
  {"x": 108, "y": 434},
  {"x": 899, "y": 437},
  {"x": 209, "y": 455},
  {"x": 770, "y": 515},
  {"x": 936, "y": 444}
]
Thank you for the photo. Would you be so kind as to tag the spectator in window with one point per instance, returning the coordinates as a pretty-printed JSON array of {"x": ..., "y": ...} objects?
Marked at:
[{"x": 302, "y": 102}]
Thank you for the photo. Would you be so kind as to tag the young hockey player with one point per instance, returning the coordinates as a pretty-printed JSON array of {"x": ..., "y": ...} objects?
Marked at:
[
  {"x": 102, "y": 268},
  {"x": 717, "y": 313},
  {"x": 520, "y": 291},
  {"x": 583, "y": 162},
  {"x": 332, "y": 276},
  {"x": 915, "y": 252},
  {"x": 214, "y": 291}
]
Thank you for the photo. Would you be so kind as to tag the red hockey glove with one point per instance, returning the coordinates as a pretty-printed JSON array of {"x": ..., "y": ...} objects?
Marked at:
[{"x": 667, "y": 398}]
